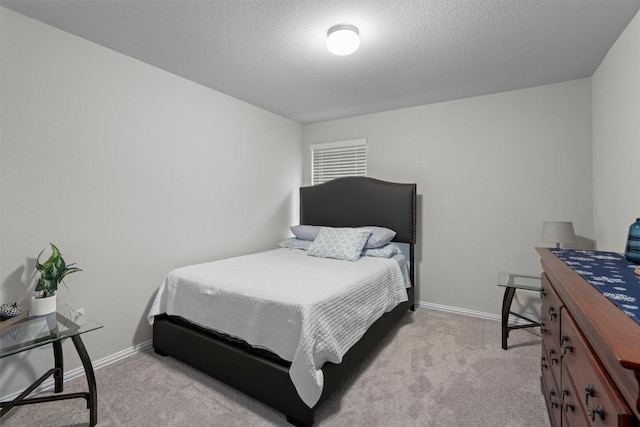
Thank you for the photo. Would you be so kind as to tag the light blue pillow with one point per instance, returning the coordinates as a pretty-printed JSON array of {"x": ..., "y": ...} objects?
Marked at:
[
  {"x": 305, "y": 232},
  {"x": 339, "y": 243},
  {"x": 386, "y": 251},
  {"x": 293, "y": 243},
  {"x": 380, "y": 236}
]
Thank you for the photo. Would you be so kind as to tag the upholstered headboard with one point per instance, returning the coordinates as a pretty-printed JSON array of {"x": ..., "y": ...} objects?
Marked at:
[{"x": 361, "y": 201}]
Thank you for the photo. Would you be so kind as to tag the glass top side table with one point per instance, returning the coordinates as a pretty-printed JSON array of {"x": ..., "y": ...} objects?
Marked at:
[
  {"x": 511, "y": 283},
  {"x": 31, "y": 332}
]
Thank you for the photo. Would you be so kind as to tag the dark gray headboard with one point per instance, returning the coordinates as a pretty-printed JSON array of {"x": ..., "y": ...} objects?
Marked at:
[{"x": 360, "y": 201}]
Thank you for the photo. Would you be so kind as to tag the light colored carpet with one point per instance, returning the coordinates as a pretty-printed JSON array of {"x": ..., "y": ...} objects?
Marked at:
[{"x": 435, "y": 369}]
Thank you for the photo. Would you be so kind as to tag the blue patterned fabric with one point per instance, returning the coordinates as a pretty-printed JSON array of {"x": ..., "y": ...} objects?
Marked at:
[
  {"x": 339, "y": 243},
  {"x": 294, "y": 243},
  {"x": 386, "y": 251},
  {"x": 608, "y": 272}
]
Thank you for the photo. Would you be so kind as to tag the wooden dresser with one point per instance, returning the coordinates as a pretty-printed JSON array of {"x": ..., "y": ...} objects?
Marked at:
[{"x": 590, "y": 364}]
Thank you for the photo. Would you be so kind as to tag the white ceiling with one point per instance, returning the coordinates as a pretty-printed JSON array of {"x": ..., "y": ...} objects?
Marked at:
[{"x": 272, "y": 53}]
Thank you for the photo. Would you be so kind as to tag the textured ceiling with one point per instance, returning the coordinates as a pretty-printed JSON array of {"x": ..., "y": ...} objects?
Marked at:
[{"x": 272, "y": 53}]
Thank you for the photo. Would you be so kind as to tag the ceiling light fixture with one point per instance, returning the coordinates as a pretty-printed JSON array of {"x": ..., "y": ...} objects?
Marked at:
[{"x": 343, "y": 39}]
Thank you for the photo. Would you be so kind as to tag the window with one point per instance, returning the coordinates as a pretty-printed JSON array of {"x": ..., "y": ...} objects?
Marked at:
[{"x": 332, "y": 160}]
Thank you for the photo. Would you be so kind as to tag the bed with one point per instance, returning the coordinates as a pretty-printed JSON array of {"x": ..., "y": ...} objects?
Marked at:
[{"x": 344, "y": 202}]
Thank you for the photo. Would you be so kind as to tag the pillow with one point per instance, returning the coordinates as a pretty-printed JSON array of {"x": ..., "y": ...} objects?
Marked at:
[
  {"x": 293, "y": 243},
  {"x": 380, "y": 236},
  {"x": 386, "y": 251},
  {"x": 339, "y": 243},
  {"x": 305, "y": 232}
]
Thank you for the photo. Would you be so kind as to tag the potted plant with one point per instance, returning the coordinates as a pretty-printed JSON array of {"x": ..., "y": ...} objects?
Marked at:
[{"x": 52, "y": 272}]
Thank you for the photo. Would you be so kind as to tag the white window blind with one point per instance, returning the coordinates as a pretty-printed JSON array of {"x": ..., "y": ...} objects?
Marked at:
[{"x": 332, "y": 160}]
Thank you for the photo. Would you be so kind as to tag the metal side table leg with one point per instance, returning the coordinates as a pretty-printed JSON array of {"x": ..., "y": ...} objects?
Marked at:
[
  {"x": 58, "y": 374},
  {"x": 92, "y": 400},
  {"x": 509, "y": 292}
]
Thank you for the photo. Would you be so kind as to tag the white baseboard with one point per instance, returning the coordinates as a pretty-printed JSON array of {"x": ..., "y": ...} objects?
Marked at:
[
  {"x": 458, "y": 310},
  {"x": 78, "y": 372},
  {"x": 513, "y": 320}
]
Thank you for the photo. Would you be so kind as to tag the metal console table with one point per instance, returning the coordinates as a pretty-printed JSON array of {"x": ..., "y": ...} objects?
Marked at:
[
  {"x": 514, "y": 282},
  {"x": 32, "y": 332}
]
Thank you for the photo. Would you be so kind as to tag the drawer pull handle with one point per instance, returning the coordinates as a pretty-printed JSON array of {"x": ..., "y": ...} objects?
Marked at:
[
  {"x": 568, "y": 405},
  {"x": 553, "y": 359},
  {"x": 569, "y": 348},
  {"x": 564, "y": 338},
  {"x": 600, "y": 411},
  {"x": 588, "y": 392},
  {"x": 543, "y": 328},
  {"x": 554, "y": 403},
  {"x": 552, "y": 312},
  {"x": 543, "y": 292},
  {"x": 543, "y": 362}
]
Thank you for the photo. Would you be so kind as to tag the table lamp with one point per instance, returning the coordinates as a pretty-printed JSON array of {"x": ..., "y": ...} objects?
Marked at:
[{"x": 558, "y": 232}]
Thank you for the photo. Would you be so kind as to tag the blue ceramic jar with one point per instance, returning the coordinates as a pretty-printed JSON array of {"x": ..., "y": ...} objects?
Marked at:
[{"x": 632, "y": 253}]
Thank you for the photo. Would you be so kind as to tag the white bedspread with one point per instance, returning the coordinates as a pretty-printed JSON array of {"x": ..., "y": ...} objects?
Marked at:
[{"x": 307, "y": 310}]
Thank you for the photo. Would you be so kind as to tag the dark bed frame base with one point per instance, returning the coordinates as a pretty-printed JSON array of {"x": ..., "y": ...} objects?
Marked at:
[
  {"x": 247, "y": 372},
  {"x": 343, "y": 202}
]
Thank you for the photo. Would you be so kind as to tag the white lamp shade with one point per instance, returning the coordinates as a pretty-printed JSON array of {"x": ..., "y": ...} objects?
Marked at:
[
  {"x": 558, "y": 232},
  {"x": 343, "y": 39}
]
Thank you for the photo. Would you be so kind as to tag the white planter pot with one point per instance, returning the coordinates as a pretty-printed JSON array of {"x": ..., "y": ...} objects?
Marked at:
[{"x": 42, "y": 306}]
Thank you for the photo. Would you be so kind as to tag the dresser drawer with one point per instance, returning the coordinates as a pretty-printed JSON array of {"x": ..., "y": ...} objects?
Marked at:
[
  {"x": 593, "y": 391},
  {"x": 573, "y": 413},
  {"x": 551, "y": 305},
  {"x": 550, "y": 389},
  {"x": 552, "y": 355}
]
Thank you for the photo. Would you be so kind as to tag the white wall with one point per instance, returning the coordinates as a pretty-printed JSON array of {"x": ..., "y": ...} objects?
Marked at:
[
  {"x": 489, "y": 171},
  {"x": 132, "y": 172},
  {"x": 616, "y": 140}
]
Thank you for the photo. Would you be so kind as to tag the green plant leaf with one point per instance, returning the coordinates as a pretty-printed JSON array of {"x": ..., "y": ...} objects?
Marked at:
[
  {"x": 55, "y": 252},
  {"x": 69, "y": 271},
  {"x": 39, "y": 266},
  {"x": 46, "y": 286},
  {"x": 56, "y": 258},
  {"x": 52, "y": 271}
]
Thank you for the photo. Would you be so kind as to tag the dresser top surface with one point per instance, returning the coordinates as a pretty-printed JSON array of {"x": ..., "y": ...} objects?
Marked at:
[{"x": 608, "y": 328}]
